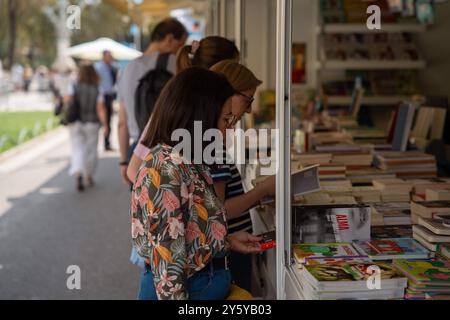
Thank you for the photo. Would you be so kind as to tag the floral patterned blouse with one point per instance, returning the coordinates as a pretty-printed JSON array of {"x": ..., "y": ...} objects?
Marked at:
[{"x": 178, "y": 222}]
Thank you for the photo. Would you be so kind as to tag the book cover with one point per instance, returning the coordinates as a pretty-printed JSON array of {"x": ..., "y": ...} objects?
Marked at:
[
  {"x": 434, "y": 273},
  {"x": 444, "y": 250},
  {"x": 327, "y": 252},
  {"x": 389, "y": 249},
  {"x": 386, "y": 232},
  {"x": 348, "y": 276},
  {"x": 330, "y": 223}
]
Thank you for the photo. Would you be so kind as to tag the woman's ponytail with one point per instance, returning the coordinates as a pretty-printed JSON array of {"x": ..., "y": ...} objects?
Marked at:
[{"x": 184, "y": 60}]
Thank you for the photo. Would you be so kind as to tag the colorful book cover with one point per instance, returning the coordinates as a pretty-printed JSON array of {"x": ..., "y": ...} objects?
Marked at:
[
  {"x": 385, "y": 246},
  {"x": 325, "y": 251},
  {"x": 351, "y": 271},
  {"x": 433, "y": 273},
  {"x": 388, "y": 249}
]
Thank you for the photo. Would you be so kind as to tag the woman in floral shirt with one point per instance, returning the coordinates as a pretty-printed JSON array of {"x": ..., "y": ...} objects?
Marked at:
[{"x": 178, "y": 222}]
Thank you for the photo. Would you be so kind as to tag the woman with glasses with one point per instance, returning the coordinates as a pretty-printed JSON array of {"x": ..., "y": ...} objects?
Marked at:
[
  {"x": 179, "y": 224},
  {"x": 227, "y": 179}
]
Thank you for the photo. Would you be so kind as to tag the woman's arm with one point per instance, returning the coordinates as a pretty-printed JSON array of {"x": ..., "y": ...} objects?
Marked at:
[
  {"x": 237, "y": 205},
  {"x": 101, "y": 113},
  {"x": 133, "y": 167}
]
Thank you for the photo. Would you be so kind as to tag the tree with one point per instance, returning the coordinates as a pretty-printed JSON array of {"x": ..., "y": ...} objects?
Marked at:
[{"x": 13, "y": 8}]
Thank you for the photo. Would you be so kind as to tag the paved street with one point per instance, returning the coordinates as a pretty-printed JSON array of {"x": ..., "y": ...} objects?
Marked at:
[{"x": 46, "y": 226}]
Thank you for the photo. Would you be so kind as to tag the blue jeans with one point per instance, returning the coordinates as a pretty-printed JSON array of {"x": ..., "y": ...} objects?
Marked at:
[{"x": 207, "y": 285}]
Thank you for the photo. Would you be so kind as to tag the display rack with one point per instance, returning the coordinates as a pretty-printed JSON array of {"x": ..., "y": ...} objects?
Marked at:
[{"x": 332, "y": 69}]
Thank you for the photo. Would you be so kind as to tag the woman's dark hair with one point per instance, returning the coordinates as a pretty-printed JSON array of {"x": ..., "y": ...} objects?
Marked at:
[
  {"x": 88, "y": 75},
  {"x": 210, "y": 51},
  {"x": 166, "y": 27},
  {"x": 195, "y": 94}
]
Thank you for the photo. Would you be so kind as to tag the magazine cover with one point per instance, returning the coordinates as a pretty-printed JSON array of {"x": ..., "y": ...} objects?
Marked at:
[
  {"x": 326, "y": 252},
  {"x": 330, "y": 223},
  {"x": 387, "y": 249},
  {"x": 434, "y": 273}
]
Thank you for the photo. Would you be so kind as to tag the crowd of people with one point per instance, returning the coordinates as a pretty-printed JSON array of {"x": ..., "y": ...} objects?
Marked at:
[{"x": 191, "y": 226}]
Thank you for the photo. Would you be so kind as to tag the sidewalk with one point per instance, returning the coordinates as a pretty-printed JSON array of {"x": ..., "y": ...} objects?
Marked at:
[{"x": 46, "y": 226}]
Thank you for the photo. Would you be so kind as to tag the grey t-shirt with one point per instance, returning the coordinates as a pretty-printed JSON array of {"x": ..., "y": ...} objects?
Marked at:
[{"x": 129, "y": 81}]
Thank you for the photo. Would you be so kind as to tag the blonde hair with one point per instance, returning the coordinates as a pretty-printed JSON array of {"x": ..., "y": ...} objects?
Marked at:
[{"x": 239, "y": 76}]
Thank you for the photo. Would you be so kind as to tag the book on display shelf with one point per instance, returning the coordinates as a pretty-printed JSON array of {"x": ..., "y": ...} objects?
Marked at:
[
  {"x": 391, "y": 249},
  {"x": 346, "y": 279},
  {"x": 429, "y": 209},
  {"x": 437, "y": 226},
  {"x": 319, "y": 253},
  {"x": 437, "y": 194},
  {"x": 421, "y": 185},
  {"x": 426, "y": 279},
  {"x": 387, "y": 232},
  {"x": 330, "y": 223},
  {"x": 429, "y": 236}
]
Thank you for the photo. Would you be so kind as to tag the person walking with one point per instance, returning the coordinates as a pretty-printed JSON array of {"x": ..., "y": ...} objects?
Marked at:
[
  {"x": 88, "y": 111},
  {"x": 167, "y": 37},
  {"x": 108, "y": 78}
]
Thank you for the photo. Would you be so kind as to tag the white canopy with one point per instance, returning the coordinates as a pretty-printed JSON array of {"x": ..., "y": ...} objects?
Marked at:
[{"x": 93, "y": 50}]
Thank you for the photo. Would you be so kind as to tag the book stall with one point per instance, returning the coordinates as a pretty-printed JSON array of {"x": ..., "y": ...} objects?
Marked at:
[{"x": 363, "y": 206}]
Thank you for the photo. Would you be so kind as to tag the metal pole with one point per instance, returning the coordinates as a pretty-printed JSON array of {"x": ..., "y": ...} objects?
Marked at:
[
  {"x": 215, "y": 17},
  {"x": 239, "y": 35},
  {"x": 239, "y": 27},
  {"x": 283, "y": 93}
]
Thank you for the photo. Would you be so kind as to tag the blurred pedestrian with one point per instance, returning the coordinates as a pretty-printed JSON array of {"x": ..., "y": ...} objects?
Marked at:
[
  {"x": 87, "y": 110},
  {"x": 167, "y": 37},
  {"x": 108, "y": 78}
]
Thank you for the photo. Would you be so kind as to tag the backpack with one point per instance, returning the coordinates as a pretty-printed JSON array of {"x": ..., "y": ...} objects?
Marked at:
[{"x": 149, "y": 89}]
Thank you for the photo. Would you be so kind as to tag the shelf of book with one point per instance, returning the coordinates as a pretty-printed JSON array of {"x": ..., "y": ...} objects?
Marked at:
[
  {"x": 368, "y": 101},
  {"x": 362, "y": 28},
  {"x": 371, "y": 64}
]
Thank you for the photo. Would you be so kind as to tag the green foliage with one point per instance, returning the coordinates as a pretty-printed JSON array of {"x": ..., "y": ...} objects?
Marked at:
[{"x": 13, "y": 122}]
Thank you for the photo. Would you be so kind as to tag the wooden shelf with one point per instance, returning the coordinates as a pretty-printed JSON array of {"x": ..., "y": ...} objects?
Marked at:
[
  {"x": 362, "y": 28},
  {"x": 372, "y": 64},
  {"x": 368, "y": 101}
]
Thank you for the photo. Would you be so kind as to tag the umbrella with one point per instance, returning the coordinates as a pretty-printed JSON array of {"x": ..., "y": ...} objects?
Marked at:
[{"x": 94, "y": 50}]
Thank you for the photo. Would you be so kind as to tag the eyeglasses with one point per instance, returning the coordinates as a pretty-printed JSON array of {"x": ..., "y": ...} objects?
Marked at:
[{"x": 249, "y": 99}]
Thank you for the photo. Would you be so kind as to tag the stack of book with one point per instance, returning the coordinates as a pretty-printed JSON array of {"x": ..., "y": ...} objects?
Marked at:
[
  {"x": 432, "y": 233},
  {"x": 392, "y": 249},
  {"x": 366, "y": 194},
  {"x": 353, "y": 160},
  {"x": 391, "y": 214},
  {"x": 332, "y": 171},
  {"x": 319, "y": 139},
  {"x": 426, "y": 279},
  {"x": 437, "y": 195},
  {"x": 393, "y": 190},
  {"x": 367, "y": 175},
  {"x": 350, "y": 280},
  {"x": 422, "y": 185},
  {"x": 307, "y": 159},
  {"x": 410, "y": 164},
  {"x": 429, "y": 210}
]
